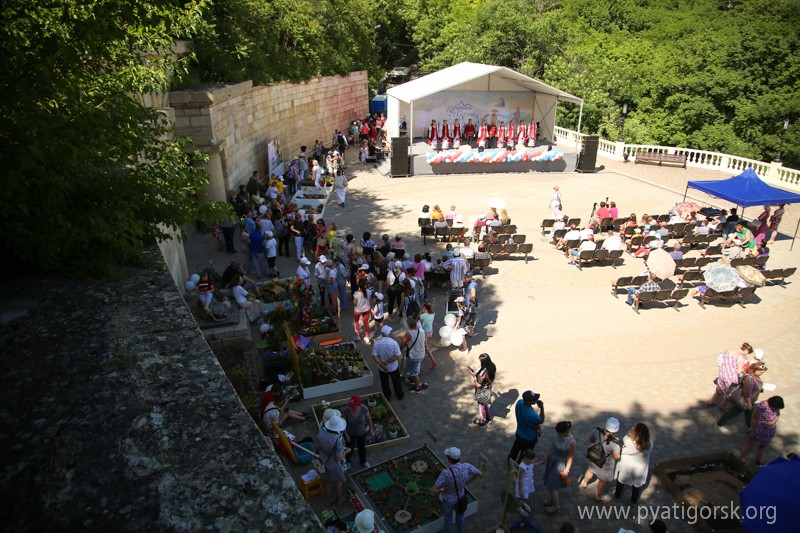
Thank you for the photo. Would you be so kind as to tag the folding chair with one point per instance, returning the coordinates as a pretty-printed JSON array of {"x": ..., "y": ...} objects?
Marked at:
[
  {"x": 546, "y": 224},
  {"x": 643, "y": 298},
  {"x": 614, "y": 255},
  {"x": 576, "y": 221},
  {"x": 623, "y": 281},
  {"x": 584, "y": 255},
  {"x": 526, "y": 248},
  {"x": 518, "y": 238}
]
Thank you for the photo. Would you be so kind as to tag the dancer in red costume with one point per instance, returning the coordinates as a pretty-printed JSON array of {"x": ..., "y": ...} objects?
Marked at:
[
  {"x": 511, "y": 135},
  {"x": 457, "y": 133},
  {"x": 522, "y": 132},
  {"x": 469, "y": 132},
  {"x": 501, "y": 134},
  {"x": 483, "y": 134},
  {"x": 447, "y": 140},
  {"x": 433, "y": 135},
  {"x": 532, "y": 134}
]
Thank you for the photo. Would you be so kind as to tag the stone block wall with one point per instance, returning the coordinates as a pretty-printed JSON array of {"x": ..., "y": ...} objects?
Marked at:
[{"x": 236, "y": 122}]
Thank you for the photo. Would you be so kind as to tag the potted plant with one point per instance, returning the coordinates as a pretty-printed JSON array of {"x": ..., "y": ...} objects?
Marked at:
[
  {"x": 394, "y": 428},
  {"x": 372, "y": 402},
  {"x": 378, "y": 412}
]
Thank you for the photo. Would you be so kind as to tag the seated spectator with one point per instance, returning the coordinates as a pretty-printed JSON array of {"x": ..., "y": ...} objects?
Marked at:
[
  {"x": 721, "y": 219},
  {"x": 451, "y": 214},
  {"x": 603, "y": 212},
  {"x": 702, "y": 228},
  {"x": 560, "y": 223},
  {"x": 648, "y": 286},
  {"x": 398, "y": 245},
  {"x": 742, "y": 238},
  {"x": 247, "y": 300},
  {"x": 730, "y": 223},
  {"x": 676, "y": 254},
  {"x": 612, "y": 242},
  {"x": 663, "y": 230},
  {"x": 437, "y": 213},
  {"x": 504, "y": 218},
  {"x": 586, "y": 233},
  {"x": 448, "y": 253},
  {"x": 588, "y": 244},
  {"x": 440, "y": 222},
  {"x": 205, "y": 291},
  {"x": 425, "y": 213},
  {"x": 573, "y": 234},
  {"x": 277, "y": 411},
  {"x": 647, "y": 220},
  {"x": 482, "y": 247},
  {"x": 613, "y": 212},
  {"x": 631, "y": 223}
]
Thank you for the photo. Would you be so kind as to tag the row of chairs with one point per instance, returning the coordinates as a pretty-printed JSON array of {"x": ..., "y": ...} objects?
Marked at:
[
  {"x": 598, "y": 255},
  {"x": 550, "y": 222},
  {"x": 503, "y": 238},
  {"x": 664, "y": 296},
  {"x": 510, "y": 248}
]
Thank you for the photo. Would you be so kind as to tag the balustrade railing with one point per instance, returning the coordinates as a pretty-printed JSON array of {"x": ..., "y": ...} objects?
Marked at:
[{"x": 775, "y": 173}]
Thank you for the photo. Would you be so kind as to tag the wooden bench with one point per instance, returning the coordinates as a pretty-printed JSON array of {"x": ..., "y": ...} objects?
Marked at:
[{"x": 656, "y": 157}]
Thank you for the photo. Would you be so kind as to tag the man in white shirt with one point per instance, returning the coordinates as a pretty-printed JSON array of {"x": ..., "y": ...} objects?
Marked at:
[
  {"x": 588, "y": 244},
  {"x": 386, "y": 353},
  {"x": 457, "y": 268},
  {"x": 612, "y": 242},
  {"x": 574, "y": 234},
  {"x": 316, "y": 173},
  {"x": 321, "y": 274}
]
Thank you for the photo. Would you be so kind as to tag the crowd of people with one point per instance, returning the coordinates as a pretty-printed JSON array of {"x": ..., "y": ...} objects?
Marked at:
[{"x": 384, "y": 281}]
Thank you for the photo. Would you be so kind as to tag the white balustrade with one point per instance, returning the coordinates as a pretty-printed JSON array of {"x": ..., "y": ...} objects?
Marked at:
[{"x": 774, "y": 173}]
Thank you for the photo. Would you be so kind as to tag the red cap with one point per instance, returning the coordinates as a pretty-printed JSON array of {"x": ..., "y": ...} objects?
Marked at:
[{"x": 355, "y": 401}]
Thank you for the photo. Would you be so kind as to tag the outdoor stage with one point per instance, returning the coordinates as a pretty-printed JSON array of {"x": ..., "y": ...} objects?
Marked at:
[{"x": 536, "y": 159}]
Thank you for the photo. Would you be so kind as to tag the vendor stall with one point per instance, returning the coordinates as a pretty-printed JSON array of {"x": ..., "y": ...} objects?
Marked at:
[{"x": 388, "y": 429}]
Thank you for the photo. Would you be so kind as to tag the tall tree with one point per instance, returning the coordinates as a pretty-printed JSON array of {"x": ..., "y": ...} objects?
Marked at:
[{"x": 90, "y": 172}]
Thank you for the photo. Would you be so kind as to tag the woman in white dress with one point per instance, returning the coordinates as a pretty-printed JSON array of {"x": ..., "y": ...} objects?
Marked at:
[
  {"x": 634, "y": 463},
  {"x": 555, "y": 202},
  {"x": 340, "y": 184},
  {"x": 611, "y": 450}
]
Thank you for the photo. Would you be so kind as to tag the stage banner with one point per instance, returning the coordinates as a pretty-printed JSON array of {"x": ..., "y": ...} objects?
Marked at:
[
  {"x": 475, "y": 105},
  {"x": 275, "y": 156}
]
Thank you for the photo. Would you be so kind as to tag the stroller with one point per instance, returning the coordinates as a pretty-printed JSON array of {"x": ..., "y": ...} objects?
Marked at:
[{"x": 452, "y": 306}]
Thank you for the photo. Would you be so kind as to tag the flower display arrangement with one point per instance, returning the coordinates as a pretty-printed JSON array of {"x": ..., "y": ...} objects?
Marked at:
[
  {"x": 394, "y": 486},
  {"x": 327, "y": 364},
  {"x": 274, "y": 291},
  {"x": 381, "y": 413}
]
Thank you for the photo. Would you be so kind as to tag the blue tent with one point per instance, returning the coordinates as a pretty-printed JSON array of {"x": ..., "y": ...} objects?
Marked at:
[
  {"x": 745, "y": 190},
  {"x": 769, "y": 501}
]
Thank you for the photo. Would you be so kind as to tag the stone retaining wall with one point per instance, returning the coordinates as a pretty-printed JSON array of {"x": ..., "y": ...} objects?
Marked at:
[
  {"x": 117, "y": 416},
  {"x": 235, "y": 123}
]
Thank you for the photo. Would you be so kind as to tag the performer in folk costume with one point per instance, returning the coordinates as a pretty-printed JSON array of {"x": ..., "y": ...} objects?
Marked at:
[
  {"x": 433, "y": 135},
  {"x": 483, "y": 134},
  {"x": 522, "y": 132},
  {"x": 511, "y": 135},
  {"x": 446, "y": 138},
  {"x": 532, "y": 134},
  {"x": 501, "y": 134},
  {"x": 456, "y": 134},
  {"x": 492, "y": 134},
  {"x": 469, "y": 132}
]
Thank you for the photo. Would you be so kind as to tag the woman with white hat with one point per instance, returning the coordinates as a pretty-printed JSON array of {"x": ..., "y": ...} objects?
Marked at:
[
  {"x": 611, "y": 453},
  {"x": 365, "y": 522},
  {"x": 332, "y": 451}
]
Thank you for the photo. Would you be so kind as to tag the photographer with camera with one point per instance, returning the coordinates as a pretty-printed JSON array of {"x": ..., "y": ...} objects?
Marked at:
[{"x": 528, "y": 424}]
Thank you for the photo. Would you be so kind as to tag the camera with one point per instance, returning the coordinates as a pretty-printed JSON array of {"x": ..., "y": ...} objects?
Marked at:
[{"x": 536, "y": 397}]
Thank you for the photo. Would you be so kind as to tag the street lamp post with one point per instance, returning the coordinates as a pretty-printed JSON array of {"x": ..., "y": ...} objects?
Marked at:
[
  {"x": 621, "y": 123},
  {"x": 780, "y": 146}
]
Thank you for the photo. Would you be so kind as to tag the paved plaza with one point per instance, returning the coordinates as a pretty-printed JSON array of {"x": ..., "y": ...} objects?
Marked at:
[{"x": 559, "y": 331}]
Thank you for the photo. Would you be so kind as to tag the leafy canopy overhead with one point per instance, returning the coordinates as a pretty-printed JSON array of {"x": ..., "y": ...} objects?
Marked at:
[
  {"x": 90, "y": 172},
  {"x": 719, "y": 75}
]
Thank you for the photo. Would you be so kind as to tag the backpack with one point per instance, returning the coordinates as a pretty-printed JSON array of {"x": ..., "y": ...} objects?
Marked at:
[
  {"x": 419, "y": 288},
  {"x": 413, "y": 309}
]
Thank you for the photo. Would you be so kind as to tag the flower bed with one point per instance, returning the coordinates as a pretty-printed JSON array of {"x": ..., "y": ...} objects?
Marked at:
[
  {"x": 332, "y": 369},
  {"x": 383, "y": 417},
  {"x": 401, "y": 484}
]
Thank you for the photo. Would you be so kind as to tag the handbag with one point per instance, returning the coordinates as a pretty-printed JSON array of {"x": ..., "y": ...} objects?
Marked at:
[
  {"x": 597, "y": 453},
  {"x": 483, "y": 395}
]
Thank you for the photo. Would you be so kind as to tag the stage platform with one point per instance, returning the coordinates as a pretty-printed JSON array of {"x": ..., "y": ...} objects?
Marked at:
[{"x": 422, "y": 164}]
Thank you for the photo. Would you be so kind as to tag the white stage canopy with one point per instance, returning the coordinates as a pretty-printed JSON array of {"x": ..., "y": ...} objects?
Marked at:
[{"x": 477, "y": 91}]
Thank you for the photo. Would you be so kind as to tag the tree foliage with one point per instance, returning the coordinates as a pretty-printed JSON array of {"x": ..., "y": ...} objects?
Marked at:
[
  {"x": 718, "y": 75},
  {"x": 90, "y": 172},
  {"x": 284, "y": 40}
]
